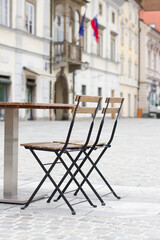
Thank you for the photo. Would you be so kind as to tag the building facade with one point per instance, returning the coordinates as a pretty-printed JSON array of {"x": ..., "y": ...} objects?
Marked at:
[
  {"x": 43, "y": 58},
  {"x": 24, "y": 49},
  {"x": 102, "y": 76},
  {"x": 129, "y": 57},
  {"x": 149, "y": 91}
]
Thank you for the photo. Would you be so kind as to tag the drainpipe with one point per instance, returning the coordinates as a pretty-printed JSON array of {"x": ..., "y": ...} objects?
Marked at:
[
  {"x": 139, "y": 111},
  {"x": 73, "y": 84},
  {"x": 50, "y": 54},
  {"x": 50, "y": 60}
]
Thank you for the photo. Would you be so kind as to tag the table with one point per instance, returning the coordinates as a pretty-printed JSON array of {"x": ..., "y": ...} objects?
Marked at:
[{"x": 10, "y": 180}]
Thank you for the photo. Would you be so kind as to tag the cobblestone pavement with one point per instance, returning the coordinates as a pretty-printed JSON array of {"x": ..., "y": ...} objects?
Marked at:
[{"x": 131, "y": 165}]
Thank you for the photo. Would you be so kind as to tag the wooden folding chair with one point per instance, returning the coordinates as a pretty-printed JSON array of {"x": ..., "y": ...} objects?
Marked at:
[
  {"x": 104, "y": 147},
  {"x": 60, "y": 148},
  {"x": 98, "y": 145},
  {"x": 80, "y": 147}
]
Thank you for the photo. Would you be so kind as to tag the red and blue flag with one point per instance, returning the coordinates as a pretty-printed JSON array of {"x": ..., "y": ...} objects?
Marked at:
[{"x": 94, "y": 24}]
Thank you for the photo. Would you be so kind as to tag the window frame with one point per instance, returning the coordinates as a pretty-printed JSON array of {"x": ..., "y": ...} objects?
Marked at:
[
  {"x": 113, "y": 47},
  {"x": 33, "y": 4}
]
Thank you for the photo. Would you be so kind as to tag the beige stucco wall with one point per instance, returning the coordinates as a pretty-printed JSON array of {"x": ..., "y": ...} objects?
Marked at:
[{"x": 129, "y": 84}]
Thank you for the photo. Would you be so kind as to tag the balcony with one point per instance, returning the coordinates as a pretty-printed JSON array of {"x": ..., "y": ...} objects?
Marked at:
[
  {"x": 70, "y": 54},
  {"x": 152, "y": 74}
]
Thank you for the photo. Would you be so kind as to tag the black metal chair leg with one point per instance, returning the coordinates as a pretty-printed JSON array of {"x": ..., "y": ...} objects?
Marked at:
[
  {"x": 74, "y": 179},
  {"x": 69, "y": 182},
  {"x": 90, "y": 185},
  {"x": 63, "y": 178},
  {"x": 42, "y": 181},
  {"x": 101, "y": 175}
]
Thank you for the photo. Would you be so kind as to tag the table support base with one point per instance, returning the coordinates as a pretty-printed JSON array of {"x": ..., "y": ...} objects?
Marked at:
[{"x": 19, "y": 200}]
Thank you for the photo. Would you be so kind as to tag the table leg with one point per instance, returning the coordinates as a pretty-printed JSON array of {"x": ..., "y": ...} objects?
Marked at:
[
  {"x": 10, "y": 190},
  {"x": 11, "y": 152}
]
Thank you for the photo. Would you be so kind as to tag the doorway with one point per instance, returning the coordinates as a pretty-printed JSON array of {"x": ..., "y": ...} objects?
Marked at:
[
  {"x": 112, "y": 104},
  {"x": 61, "y": 96},
  {"x": 129, "y": 105},
  {"x": 30, "y": 96}
]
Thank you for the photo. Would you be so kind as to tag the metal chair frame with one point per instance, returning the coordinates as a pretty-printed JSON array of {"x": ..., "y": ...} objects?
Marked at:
[
  {"x": 64, "y": 150},
  {"x": 95, "y": 146},
  {"x": 81, "y": 149},
  {"x": 105, "y": 147}
]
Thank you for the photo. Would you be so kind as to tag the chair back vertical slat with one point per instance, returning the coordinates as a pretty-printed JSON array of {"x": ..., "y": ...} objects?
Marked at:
[{"x": 112, "y": 110}]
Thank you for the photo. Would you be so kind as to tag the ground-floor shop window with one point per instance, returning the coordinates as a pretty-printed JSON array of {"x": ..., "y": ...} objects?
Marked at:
[{"x": 3, "y": 98}]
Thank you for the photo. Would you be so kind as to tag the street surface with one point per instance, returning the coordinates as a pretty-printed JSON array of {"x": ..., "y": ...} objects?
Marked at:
[{"x": 131, "y": 166}]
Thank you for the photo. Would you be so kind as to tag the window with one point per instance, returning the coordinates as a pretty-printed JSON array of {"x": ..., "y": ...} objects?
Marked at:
[
  {"x": 122, "y": 65},
  {"x": 4, "y": 88},
  {"x": 100, "y": 94},
  {"x": 30, "y": 17},
  {"x": 85, "y": 39},
  {"x": 113, "y": 46},
  {"x": 130, "y": 10},
  {"x": 100, "y": 9},
  {"x": 129, "y": 105},
  {"x": 136, "y": 42},
  {"x": 155, "y": 61},
  {"x": 83, "y": 93},
  {"x": 76, "y": 27},
  {"x": 122, "y": 8},
  {"x": 4, "y": 12},
  {"x": 130, "y": 38},
  {"x": 135, "y": 105},
  {"x": 129, "y": 69},
  {"x": 122, "y": 33},
  {"x": 69, "y": 25},
  {"x": 152, "y": 25},
  {"x": 136, "y": 16},
  {"x": 59, "y": 24},
  {"x": 99, "y": 45},
  {"x": 149, "y": 59},
  {"x": 136, "y": 72},
  {"x": 113, "y": 17}
]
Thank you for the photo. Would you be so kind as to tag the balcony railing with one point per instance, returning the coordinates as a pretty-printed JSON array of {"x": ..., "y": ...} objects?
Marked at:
[
  {"x": 152, "y": 74},
  {"x": 69, "y": 52}
]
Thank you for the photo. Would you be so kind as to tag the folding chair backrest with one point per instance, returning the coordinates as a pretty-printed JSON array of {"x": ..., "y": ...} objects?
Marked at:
[
  {"x": 85, "y": 110},
  {"x": 90, "y": 99},
  {"x": 112, "y": 110},
  {"x": 78, "y": 109}
]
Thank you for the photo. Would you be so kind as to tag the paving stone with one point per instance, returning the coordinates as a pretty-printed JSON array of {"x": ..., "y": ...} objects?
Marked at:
[{"x": 131, "y": 166}]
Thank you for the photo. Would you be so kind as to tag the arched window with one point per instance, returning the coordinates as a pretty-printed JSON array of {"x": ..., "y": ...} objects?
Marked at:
[
  {"x": 69, "y": 24},
  {"x": 59, "y": 23},
  {"x": 76, "y": 27}
]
